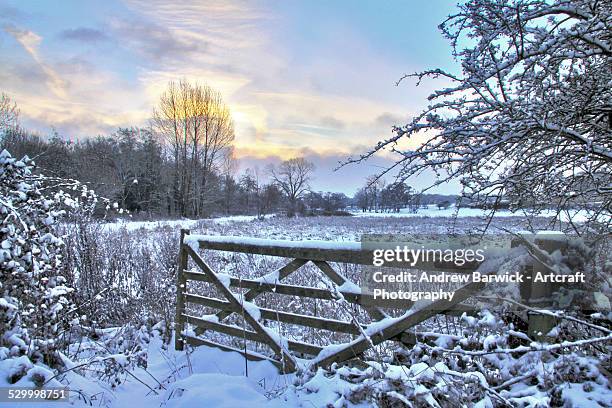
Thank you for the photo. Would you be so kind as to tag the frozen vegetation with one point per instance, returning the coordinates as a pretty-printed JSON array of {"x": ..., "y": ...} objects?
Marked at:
[{"x": 134, "y": 363}]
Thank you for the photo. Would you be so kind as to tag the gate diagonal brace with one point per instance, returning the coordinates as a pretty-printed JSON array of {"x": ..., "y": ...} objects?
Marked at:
[
  {"x": 250, "y": 313},
  {"x": 385, "y": 329},
  {"x": 339, "y": 280}
]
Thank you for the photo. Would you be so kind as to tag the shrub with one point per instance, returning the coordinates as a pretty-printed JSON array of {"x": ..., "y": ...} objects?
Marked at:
[{"x": 36, "y": 304}]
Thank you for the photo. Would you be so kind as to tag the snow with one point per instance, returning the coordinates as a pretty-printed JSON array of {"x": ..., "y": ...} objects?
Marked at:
[
  {"x": 349, "y": 287},
  {"x": 217, "y": 379},
  {"x": 219, "y": 390},
  {"x": 59, "y": 291},
  {"x": 182, "y": 223},
  {"x": 252, "y": 310},
  {"x": 463, "y": 212},
  {"x": 269, "y": 278},
  {"x": 210, "y": 377},
  {"x": 551, "y": 236},
  {"x": 328, "y": 351},
  {"x": 193, "y": 241},
  {"x": 224, "y": 278},
  {"x": 210, "y": 318}
]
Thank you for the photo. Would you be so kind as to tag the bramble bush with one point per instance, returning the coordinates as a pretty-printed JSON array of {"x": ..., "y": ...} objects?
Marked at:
[{"x": 37, "y": 305}]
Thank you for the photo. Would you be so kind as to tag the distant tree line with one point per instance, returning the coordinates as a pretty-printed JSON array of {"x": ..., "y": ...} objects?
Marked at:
[
  {"x": 378, "y": 197},
  {"x": 182, "y": 165},
  {"x": 133, "y": 169},
  {"x": 326, "y": 203}
]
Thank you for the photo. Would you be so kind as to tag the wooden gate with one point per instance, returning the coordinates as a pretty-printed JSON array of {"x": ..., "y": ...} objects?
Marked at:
[{"x": 381, "y": 328}]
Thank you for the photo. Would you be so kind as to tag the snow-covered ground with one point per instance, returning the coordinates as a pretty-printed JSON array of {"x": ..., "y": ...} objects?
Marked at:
[
  {"x": 432, "y": 211},
  {"x": 179, "y": 223},
  {"x": 452, "y": 211},
  {"x": 207, "y": 377}
]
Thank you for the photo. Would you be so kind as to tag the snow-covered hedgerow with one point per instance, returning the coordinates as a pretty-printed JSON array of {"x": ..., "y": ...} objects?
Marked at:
[
  {"x": 36, "y": 304},
  {"x": 474, "y": 367}
]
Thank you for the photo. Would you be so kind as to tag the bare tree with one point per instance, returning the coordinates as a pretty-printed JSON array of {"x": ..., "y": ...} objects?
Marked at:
[
  {"x": 230, "y": 187},
  {"x": 293, "y": 177},
  {"x": 229, "y": 164},
  {"x": 374, "y": 185},
  {"x": 528, "y": 119},
  {"x": 198, "y": 129},
  {"x": 8, "y": 113}
]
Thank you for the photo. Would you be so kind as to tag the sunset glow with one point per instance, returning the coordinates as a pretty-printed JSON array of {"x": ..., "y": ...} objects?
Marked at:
[{"x": 305, "y": 77}]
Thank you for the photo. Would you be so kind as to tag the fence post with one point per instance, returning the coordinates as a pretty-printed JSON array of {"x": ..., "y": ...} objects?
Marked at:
[
  {"x": 527, "y": 272},
  {"x": 541, "y": 292},
  {"x": 181, "y": 282}
]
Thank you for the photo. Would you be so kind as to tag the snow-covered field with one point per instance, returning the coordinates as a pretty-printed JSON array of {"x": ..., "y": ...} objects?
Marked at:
[
  {"x": 337, "y": 228},
  {"x": 206, "y": 377},
  {"x": 179, "y": 223},
  {"x": 452, "y": 211},
  {"x": 475, "y": 216}
]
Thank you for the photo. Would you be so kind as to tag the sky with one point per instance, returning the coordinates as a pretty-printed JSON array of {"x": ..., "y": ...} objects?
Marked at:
[{"x": 301, "y": 78}]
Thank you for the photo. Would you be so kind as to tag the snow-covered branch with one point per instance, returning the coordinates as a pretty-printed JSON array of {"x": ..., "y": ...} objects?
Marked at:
[{"x": 528, "y": 119}]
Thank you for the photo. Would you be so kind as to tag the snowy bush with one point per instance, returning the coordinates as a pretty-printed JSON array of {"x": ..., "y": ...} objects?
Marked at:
[
  {"x": 111, "y": 354},
  {"x": 122, "y": 277},
  {"x": 36, "y": 304},
  {"x": 45, "y": 300},
  {"x": 471, "y": 368}
]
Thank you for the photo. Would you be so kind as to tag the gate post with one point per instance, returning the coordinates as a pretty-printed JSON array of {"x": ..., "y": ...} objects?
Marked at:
[
  {"x": 541, "y": 292},
  {"x": 526, "y": 272},
  {"x": 181, "y": 286}
]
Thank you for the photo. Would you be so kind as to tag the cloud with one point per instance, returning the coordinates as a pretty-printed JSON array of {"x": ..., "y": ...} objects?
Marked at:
[
  {"x": 30, "y": 41},
  {"x": 224, "y": 45},
  {"x": 331, "y": 122},
  {"x": 27, "y": 76},
  {"x": 389, "y": 120},
  {"x": 100, "y": 97},
  {"x": 156, "y": 42},
  {"x": 284, "y": 104},
  {"x": 84, "y": 34},
  {"x": 93, "y": 102}
]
